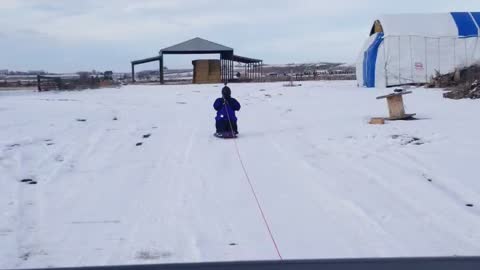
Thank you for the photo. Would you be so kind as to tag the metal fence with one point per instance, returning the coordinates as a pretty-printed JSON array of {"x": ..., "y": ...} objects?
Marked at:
[{"x": 333, "y": 77}]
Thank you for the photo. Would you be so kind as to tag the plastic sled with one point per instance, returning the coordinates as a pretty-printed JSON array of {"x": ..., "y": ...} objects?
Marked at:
[{"x": 225, "y": 135}]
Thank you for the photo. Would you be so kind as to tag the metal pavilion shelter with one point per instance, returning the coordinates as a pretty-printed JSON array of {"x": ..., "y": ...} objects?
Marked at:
[{"x": 253, "y": 67}]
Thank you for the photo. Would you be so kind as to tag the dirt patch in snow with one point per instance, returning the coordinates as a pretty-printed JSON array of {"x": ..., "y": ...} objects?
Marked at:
[
  {"x": 148, "y": 255},
  {"x": 408, "y": 140}
]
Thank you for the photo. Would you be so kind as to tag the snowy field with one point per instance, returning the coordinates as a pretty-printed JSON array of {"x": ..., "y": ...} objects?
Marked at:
[{"x": 331, "y": 186}]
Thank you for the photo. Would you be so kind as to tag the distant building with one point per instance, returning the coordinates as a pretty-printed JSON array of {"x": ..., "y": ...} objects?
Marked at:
[
  {"x": 3, "y": 71},
  {"x": 108, "y": 75},
  {"x": 36, "y": 72},
  {"x": 322, "y": 71}
]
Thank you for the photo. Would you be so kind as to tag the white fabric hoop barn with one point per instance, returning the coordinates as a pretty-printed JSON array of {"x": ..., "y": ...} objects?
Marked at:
[{"x": 412, "y": 48}]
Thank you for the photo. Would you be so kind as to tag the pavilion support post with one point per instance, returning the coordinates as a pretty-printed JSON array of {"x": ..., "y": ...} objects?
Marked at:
[
  {"x": 39, "y": 86},
  {"x": 245, "y": 67},
  {"x": 162, "y": 81},
  {"x": 261, "y": 71},
  {"x": 231, "y": 70},
  {"x": 133, "y": 72},
  {"x": 253, "y": 72},
  {"x": 224, "y": 70}
]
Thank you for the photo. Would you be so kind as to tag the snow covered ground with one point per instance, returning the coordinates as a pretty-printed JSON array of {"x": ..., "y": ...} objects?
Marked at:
[{"x": 331, "y": 186}]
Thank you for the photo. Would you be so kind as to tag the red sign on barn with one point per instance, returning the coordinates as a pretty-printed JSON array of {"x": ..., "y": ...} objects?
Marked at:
[{"x": 419, "y": 66}]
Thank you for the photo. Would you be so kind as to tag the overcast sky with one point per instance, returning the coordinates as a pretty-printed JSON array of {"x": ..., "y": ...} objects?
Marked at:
[{"x": 72, "y": 35}]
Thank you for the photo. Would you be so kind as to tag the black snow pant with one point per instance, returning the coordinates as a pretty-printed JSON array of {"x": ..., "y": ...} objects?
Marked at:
[{"x": 224, "y": 126}]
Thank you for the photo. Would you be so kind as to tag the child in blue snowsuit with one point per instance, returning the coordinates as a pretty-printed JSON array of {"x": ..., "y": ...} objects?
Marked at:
[{"x": 226, "y": 120}]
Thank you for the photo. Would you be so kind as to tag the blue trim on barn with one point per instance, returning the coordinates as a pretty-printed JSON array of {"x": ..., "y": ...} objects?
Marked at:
[
  {"x": 370, "y": 61},
  {"x": 365, "y": 55},
  {"x": 465, "y": 24},
  {"x": 476, "y": 17}
]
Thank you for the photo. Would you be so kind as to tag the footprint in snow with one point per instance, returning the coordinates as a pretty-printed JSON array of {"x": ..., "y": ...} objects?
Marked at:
[
  {"x": 146, "y": 136},
  {"x": 29, "y": 181},
  {"x": 429, "y": 179},
  {"x": 25, "y": 256}
]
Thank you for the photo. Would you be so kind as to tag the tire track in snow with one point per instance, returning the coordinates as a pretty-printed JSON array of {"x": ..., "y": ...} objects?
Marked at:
[
  {"x": 333, "y": 165},
  {"x": 27, "y": 219},
  {"x": 162, "y": 176},
  {"x": 397, "y": 159},
  {"x": 318, "y": 185}
]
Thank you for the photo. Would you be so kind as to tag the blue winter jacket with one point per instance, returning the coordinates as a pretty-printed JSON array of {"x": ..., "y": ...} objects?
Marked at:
[{"x": 222, "y": 109}]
